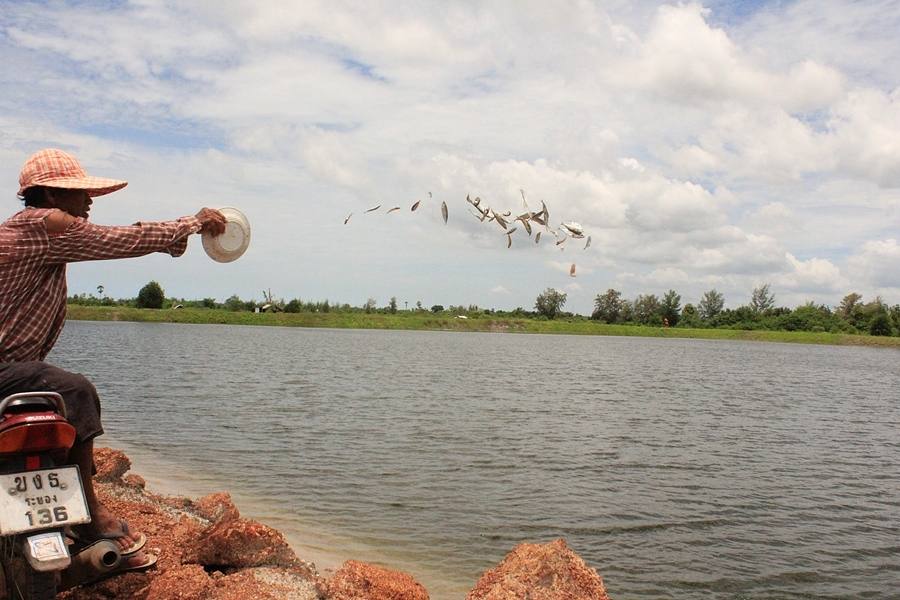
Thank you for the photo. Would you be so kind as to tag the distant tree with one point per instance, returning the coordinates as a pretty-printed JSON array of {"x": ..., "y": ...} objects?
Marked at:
[
  {"x": 100, "y": 290},
  {"x": 670, "y": 308},
  {"x": 849, "y": 304},
  {"x": 711, "y": 304},
  {"x": 392, "y": 305},
  {"x": 762, "y": 299},
  {"x": 234, "y": 303},
  {"x": 294, "y": 306},
  {"x": 646, "y": 307},
  {"x": 627, "y": 313},
  {"x": 894, "y": 311},
  {"x": 418, "y": 305},
  {"x": 608, "y": 306},
  {"x": 550, "y": 302},
  {"x": 369, "y": 306},
  {"x": 437, "y": 308},
  {"x": 689, "y": 316},
  {"x": 151, "y": 296},
  {"x": 881, "y": 324},
  {"x": 208, "y": 303}
]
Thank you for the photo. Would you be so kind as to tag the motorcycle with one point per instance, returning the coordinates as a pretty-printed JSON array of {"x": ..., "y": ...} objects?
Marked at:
[{"x": 40, "y": 496}]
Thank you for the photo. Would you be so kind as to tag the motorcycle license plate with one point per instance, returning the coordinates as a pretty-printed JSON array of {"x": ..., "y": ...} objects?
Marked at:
[{"x": 41, "y": 499}]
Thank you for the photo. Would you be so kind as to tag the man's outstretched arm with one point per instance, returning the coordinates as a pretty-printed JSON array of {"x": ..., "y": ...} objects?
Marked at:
[{"x": 74, "y": 239}]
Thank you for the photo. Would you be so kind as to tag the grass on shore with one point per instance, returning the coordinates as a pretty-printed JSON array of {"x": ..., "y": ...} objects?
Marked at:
[{"x": 431, "y": 322}]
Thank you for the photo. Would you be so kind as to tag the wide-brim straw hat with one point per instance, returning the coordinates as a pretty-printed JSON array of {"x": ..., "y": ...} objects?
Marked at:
[{"x": 58, "y": 169}]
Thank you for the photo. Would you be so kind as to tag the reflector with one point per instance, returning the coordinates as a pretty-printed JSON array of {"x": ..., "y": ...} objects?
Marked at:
[{"x": 37, "y": 437}]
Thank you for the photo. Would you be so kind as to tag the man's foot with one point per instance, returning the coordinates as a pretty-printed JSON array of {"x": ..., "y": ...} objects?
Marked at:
[{"x": 106, "y": 526}]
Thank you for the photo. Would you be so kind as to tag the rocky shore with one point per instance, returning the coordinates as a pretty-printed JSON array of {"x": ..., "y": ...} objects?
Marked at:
[{"x": 207, "y": 551}]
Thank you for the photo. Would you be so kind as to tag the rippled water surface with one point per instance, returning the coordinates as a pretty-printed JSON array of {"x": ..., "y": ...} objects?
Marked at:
[{"x": 677, "y": 468}]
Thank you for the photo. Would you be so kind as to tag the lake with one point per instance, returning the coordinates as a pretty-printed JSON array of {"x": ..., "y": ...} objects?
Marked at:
[{"x": 677, "y": 468}]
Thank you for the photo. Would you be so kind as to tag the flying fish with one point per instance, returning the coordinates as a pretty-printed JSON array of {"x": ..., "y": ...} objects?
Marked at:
[
  {"x": 500, "y": 220},
  {"x": 348, "y": 218},
  {"x": 574, "y": 228},
  {"x": 443, "y": 210},
  {"x": 373, "y": 208},
  {"x": 526, "y": 225}
]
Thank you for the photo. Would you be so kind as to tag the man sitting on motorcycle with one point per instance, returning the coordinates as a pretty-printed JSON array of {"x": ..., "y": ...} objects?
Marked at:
[{"x": 35, "y": 245}]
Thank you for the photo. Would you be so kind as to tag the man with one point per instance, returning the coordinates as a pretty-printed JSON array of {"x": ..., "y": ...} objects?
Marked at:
[{"x": 35, "y": 245}]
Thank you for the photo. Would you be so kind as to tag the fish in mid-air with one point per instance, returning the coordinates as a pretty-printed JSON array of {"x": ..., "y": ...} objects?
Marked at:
[
  {"x": 444, "y": 211},
  {"x": 373, "y": 208},
  {"x": 574, "y": 229},
  {"x": 393, "y": 209},
  {"x": 348, "y": 218},
  {"x": 572, "y": 270},
  {"x": 415, "y": 205}
]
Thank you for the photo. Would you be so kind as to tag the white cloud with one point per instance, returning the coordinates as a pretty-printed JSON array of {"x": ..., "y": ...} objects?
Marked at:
[
  {"x": 685, "y": 59},
  {"x": 875, "y": 265},
  {"x": 866, "y": 126},
  {"x": 813, "y": 275}
]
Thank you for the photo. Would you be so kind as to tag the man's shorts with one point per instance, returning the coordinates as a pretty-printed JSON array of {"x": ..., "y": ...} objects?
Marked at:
[{"x": 79, "y": 394}]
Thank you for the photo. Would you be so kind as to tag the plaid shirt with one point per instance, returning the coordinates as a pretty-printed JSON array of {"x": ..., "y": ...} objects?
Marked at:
[{"x": 33, "y": 271}]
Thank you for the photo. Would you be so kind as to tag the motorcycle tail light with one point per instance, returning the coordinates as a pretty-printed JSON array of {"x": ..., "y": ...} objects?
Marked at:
[{"x": 37, "y": 437}]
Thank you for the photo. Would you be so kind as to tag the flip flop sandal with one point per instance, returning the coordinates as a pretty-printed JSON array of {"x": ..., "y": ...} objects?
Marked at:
[{"x": 77, "y": 533}]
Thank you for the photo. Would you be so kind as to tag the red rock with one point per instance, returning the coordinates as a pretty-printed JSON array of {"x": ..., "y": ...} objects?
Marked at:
[
  {"x": 216, "y": 507},
  {"x": 549, "y": 571},
  {"x": 361, "y": 581},
  {"x": 240, "y": 543},
  {"x": 127, "y": 585},
  {"x": 184, "y": 582},
  {"x": 135, "y": 481},
  {"x": 111, "y": 464},
  {"x": 264, "y": 584}
]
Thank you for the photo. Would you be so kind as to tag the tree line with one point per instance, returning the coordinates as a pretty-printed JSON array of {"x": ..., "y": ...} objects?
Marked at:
[{"x": 851, "y": 315}]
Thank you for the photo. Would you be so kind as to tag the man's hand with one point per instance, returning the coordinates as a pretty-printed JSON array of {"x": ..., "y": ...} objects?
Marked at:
[{"x": 213, "y": 221}]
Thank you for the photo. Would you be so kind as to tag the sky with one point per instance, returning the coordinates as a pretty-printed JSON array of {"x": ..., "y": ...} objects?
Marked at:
[{"x": 719, "y": 145}]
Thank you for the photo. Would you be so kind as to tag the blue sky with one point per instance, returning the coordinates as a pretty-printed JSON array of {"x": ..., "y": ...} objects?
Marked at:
[{"x": 720, "y": 145}]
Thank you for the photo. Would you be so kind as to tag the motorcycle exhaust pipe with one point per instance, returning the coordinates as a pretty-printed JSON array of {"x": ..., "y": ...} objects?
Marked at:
[{"x": 91, "y": 563}]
